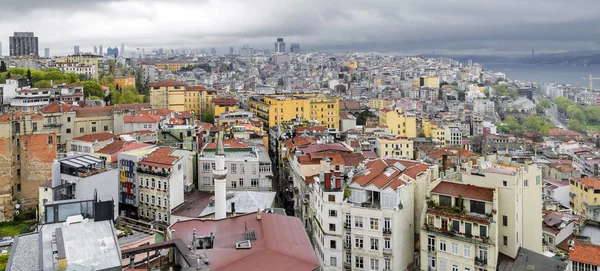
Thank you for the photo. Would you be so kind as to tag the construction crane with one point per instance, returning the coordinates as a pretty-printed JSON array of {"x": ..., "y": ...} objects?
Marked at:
[{"x": 591, "y": 79}]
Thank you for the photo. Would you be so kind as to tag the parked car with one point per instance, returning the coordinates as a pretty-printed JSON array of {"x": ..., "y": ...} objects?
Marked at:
[{"x": 6, "y": 241}]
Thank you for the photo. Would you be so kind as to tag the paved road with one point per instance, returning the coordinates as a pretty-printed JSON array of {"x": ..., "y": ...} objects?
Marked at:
[{"x": 553, "y": 115}]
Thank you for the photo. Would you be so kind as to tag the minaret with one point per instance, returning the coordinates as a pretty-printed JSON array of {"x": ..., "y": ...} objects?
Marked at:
[{"x": 220, "y": 173}]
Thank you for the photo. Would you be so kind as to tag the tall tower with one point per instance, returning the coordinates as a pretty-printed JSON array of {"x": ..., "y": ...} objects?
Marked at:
[
  {"x": 76, "y": 49},
  {"x": 122, "y": 49},
  {"x": 100, "y": 51},
  {"x": 220, "y": 174}
]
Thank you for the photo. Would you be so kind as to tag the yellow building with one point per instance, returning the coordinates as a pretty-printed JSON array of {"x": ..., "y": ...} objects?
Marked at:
[
  {"x": 379, "y": 103},
  {"x": 171, "y": 66},
  {"x": 427, "y": 81},
  {"x": 220, "y": 106},
  {"x": 121, "y": 81},
  {"x": 432, "y": 130},
  {"x": 585, "y": 194},
  {"x": 352, "y": 64},
  {"x": 395, "y": 147},
  {"x": 206, "y": 98},
  {"x": 193, "y": 98},
  {"x": 275, "y": 109},
  {"x": 399, "y": 124},
  {"x": 84, "y": 59},
  {"x": 168, "y": 94}
]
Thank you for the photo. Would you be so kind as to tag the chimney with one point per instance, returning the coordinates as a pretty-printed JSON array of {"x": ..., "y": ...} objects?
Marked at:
[
  {"x": 194, "y": 240},
  {"x": 232, "y": 208},
  {"x": 258, "y": 215},
  {"x": 327, "y": 180}
]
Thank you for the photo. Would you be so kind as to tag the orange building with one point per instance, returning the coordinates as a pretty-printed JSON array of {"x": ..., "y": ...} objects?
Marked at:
[{"x": 121, "y": 81}]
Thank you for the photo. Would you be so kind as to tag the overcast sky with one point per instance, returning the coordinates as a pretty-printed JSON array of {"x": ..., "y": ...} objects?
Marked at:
[{"x": 398, "y": 26}]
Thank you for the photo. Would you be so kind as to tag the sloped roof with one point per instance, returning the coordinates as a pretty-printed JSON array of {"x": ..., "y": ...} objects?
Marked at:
[
  {"x": 83, "y": 112},
  {"x": 585, "y": 253},
  {"x": 161, "y": 157},
  {"x": 167, "y": 83},
  {"x": 229, "y": 143},
  {"x": 224, "y": 101},
  {"x": 54, "y": 107},
  {"x": 589, "y": 182},
  {"x": 103, "y": 136},
  {"x": 132, "y": 106},
  {"x": 467, "y": 191},
  {"x": 324, "y": 147},
  {"x": 142, "y": 118}
]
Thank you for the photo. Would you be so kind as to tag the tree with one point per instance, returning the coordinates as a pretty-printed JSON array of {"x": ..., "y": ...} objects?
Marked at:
[
  {"x": 363, "y": 116},
  {"x": 545, "y": 103},
  {"x": 8, "y": 75},
  {"x": 2, "y": 66},
  {"x": 42, "y": 84},
  {"x": 562, "y": 103},
  {"x": 209, "y": 116},
  {"x": 91, "y": 88},
  {"x": 29, "y": 76},
  {"x": 575, "y": 125}
]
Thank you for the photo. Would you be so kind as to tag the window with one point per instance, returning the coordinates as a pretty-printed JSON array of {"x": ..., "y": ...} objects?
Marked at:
[
  {"x": 332, "y": 213},
  {"x": 358, "y": 242},
  {"x": 332, "y": 243},
  {"x": 454, "y": 248},
  {"x": 50, "y": 140},
  {"x": 374, "y": 264},
  {"x": 68, "y": 130},
  {"x": 254, "y": 182},
  {"x": 35, "y": 126},
  {"x": 165, "y": 185},
  {"x": 106, "y": 130},
  {"x": 17, "y": 127},
  {"x": 81, "y": 130},
  {"x": 153, "y": 183},
  {"x": 374, "y": 223},
  {"x": 18, "y": 157},
  {"x": 526, "y": 182},
  {"x": 387, "y": 224},
  {"x": 478, "y": 207},
  {"x": 445, "y": 201},
  {"x": 179, "y": 167},
  {"x": 467, "y": 251},
  {"x": 454, "y": 267},
  {"x": 159, "y": 202},
  {"x": 504, "y": 183},
  {"x": 468, "y": 228},
  {"x": 241, "y": 182},
  {"x": 504, "y": 220},
  {"x": 455, "y": 226},
  {"x": 550, "y": 240},
  {"x": 93, "y": 129},
  {"x": 68, "y": 119},
  {"x": 333, "y": 261},
  {"x": 358, "y": 221},
  {"x": 206, "y": 181},
  {"x": 431, "y": 261},
  {"x": 159, "y": 185},
  {"x": 253, "y": 169},
  {"x": 18, "y": 142},
  {"x": 331, "y": 227},
  {"x": 374, "y": 244},
  {"x": 505, "y": 240},
  {"x": 87, "y": 149},
  {"x": 348, "y": 241},
  {"x": 387, "y": 264},
  {"x": 442, "y": 245},
  {"x": 483, "y": 254},
  {"x": 233, "y": 168},
  {"x": 430, "y": 243},
  {"x": 241, "y": 168},
  {"x": 387, "y": 243},
  {"x": 331, "y": 198},
  {"x": 482, "y": 231},
  {"x": 358, "y": 262},
  {"x": 206, "y": 167},
  {"x": 18, "y": 172}
]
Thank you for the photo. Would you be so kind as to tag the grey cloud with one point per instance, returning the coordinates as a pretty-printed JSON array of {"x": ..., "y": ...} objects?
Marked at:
[{"x": 334, "y": 25}]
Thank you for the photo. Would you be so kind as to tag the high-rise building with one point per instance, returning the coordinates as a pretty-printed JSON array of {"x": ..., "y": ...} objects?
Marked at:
[
  {"x": 230, "y": 50},
  {"x": 295, "y": 47},
  {"x": 100, "y": 52},
  {"x": 213, "y": 51},
  {"x": 76, "y": 49},
  {"x": 47, "y": 52},
  {"x": 112, "y": 51},
  {"x": 23, "y": 44},
  {"x": 122, "y": 48},
  {"x": 279, "y": 46},
  {"x": 95, "y": 50}
]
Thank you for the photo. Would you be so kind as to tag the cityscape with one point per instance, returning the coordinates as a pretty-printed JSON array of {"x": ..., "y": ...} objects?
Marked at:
[{"x": 282, "y": 155}]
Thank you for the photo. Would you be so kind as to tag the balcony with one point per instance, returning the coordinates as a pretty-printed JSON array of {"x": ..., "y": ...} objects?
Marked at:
[
  {"x": 387, "y": 231},
  {"x": 480, "y": 261},
  {"x": 52, "y": 125},
  {"x": 347, "y": 245},
  {"x": 347, "y": 266},
  {"x": 161, "y": 173},
  {"x": 387, "y": 251},
  {"x": 347, "y": 225}
]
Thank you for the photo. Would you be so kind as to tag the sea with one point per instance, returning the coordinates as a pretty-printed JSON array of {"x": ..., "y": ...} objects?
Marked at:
[{"x": 559, "y": 74}]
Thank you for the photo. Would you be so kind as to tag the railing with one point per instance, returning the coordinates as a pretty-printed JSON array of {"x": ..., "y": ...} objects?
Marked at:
[
  {"x": 387, "y": 231},
  {"x": 480, "y": 261},
  {"x": 347, "y": 245},
  {"x": 387, "y": 251},
  {"x": 347, "y": 225},
  {"x": 347, "y": 265},
  {"x": 157, "y": 173},
  {"x": 53, "y": 125}
]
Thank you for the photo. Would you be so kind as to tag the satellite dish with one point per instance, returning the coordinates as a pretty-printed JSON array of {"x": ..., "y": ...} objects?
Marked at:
[{"x": 17, "y": 206}]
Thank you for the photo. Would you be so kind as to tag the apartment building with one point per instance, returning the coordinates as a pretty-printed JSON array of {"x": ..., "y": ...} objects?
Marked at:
[
  {"x": 161, "y": 181},
  {"x": 430, "y": 129},
  {"x": 454, "y": 136},
  {"x": 379, "y": 103},
  {"x": 249, "y": 166},
  {"x": 275, "y": 109},
  {"x": 585, "y": 196},
  {"x": 193, "y": 98},
  {"x": 401, "y": 124},
  {"x": 142, "y": 121},
  {"x": 129, "y": 188},
  {"x": 122, "y": 81},
  {"x": 502, "y": 203},
  {"x": 168, "y": 94},
  {"x": 394, "y": 146},
  {"x": 220, "y": 106},
  {"x": 91, "y": 120},
  {"x": 77, "y": 68},
  {"x": 60, "y": 117},
  {"x": 84, "y": 59},
  {"x": 89, "y": 144}
]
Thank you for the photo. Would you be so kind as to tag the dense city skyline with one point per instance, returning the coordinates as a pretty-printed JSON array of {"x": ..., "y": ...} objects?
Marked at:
[{"x": 411, "y": 27}]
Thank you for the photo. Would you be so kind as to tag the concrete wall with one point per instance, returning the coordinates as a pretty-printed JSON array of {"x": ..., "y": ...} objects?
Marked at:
[{"x": 104, "y": 184}]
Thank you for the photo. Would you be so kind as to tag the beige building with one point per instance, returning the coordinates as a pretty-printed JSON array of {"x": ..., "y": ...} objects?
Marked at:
[
  {"x": 394, "y": 146},
  {"x": 86, "y": 60},
  {"x": 91, "y": 120},
  {"x": 168, "y": 94},
  {"x": 60, "y": 117}
]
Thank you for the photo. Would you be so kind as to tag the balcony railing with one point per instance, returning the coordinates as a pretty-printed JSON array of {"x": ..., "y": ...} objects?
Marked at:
[
  {"x": 480, "y": 261},
  {"x": 387, "y": 251},
  {"x": 157, "y": 173},
  {"x": 387, "y": 231},
  {"x": 347, "y": 225},
  {"x": 347, "y": 265},
  {"x": 347, "y": 245}
]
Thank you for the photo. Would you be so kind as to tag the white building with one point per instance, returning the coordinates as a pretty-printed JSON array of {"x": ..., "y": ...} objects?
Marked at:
[
  {"x": 128, "y": 198},
  {"x": 161, "y": 181},
  {"x": 454, "y": 136},
  {"x": 141, "y": 122},
  {"x": 30, "y": 100},
  {"x": 77, "y": 68},
  {"x": 89, "y": 144},
  {"x": 249, "y": 166},
  {"x": 84, "y": 177}
]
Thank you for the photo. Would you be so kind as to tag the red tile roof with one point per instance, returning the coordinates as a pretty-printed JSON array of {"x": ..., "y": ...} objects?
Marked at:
[
  {"x": 96, "y": 137},
  {"x": 113, "y": 147},
  {"x": 299, "y": 141},
  {"x": 562, "y": 132},
  {"x": 585, "y": 253},
  {"x": 142, "y": 118},
  {"x": 132, "y": 106},
  {"x": 161, "y": 157},
  {"x": 96, "y": 111},
  {"x": 467, "y": 191},
  {"x": 589, "y": 182},
  {"x": 163, "y": 111},
  {"x": 55, "y": 107},
  {"x": 195, "y": 88},
  {"x": 224, "y": 101},
  {"x": 281, "y": 242},
  {"x": 167, "y": 83},
  {"x": 229, "y": 143},
  {"x": 324, "y": 147},
  {"x": 20, "y": 116},
  {"x": 318, "y": 129},
  {"x": 349, "y": 105}
]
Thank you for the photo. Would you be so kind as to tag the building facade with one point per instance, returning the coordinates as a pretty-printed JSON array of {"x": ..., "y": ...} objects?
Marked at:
[{"x": 23, "y": 44}]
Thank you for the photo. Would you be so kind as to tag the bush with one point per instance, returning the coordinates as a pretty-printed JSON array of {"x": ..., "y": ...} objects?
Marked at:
[{"x": 3, "y": 261}]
